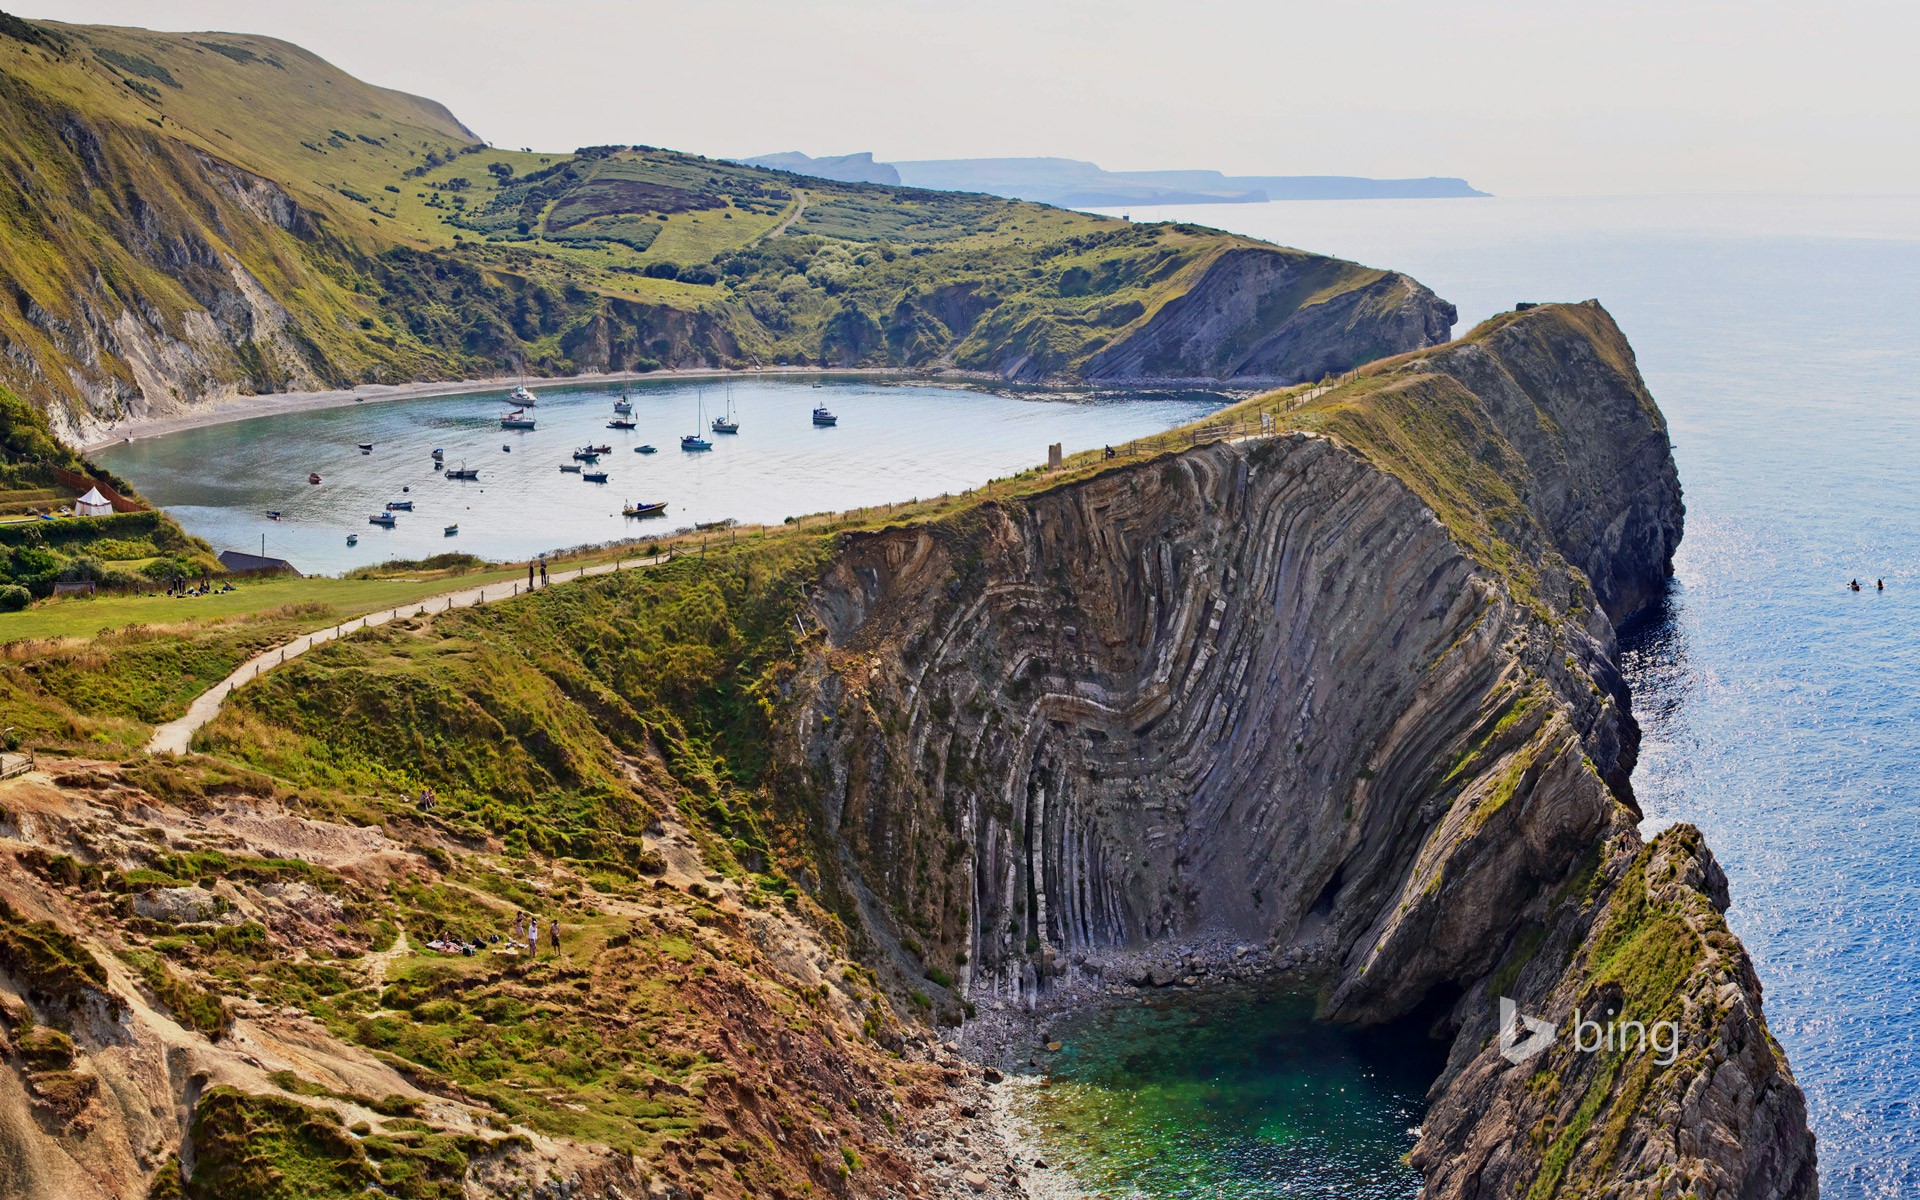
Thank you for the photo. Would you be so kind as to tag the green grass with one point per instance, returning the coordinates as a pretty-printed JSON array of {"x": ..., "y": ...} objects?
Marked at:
[{"x": 342, "y": 599}]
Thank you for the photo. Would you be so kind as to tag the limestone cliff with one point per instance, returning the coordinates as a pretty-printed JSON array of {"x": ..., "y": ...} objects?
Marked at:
[{"x": 1350, "y": 690}]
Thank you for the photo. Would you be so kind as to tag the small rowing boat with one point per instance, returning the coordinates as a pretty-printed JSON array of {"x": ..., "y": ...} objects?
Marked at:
[{"x": 449, "y": 531}]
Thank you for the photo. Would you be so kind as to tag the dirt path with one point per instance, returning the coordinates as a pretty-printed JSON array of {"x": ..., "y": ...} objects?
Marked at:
[
  {"x": 793, "y": 216},
  {"x": 177, "y": 735}
]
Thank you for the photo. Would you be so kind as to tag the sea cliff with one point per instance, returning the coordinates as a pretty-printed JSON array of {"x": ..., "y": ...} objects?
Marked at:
[{"x": 1348, "y": 692}]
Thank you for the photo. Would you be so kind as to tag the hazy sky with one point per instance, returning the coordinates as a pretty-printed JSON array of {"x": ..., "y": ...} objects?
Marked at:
[{"x": 1533, "y": 97}]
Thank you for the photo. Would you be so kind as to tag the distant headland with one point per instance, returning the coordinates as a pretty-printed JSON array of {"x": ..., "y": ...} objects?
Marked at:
[{"x": 1071, "y": 183}]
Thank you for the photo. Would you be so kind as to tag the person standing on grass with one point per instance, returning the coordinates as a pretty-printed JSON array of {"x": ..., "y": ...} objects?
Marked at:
[
  {"x": 553, "y": 933},
  {"x": 533, "y": 936}
]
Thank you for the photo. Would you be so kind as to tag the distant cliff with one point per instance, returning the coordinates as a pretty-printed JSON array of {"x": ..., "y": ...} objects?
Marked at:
[
  {"x": 1349, "y": 691},
  {"x": 1074, "y": 183}
]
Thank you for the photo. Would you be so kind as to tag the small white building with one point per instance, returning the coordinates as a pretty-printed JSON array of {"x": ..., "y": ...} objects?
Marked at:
[{"x": 93, "y": 504}]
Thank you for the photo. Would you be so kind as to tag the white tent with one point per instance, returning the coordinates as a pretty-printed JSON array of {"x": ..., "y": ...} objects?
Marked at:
[{"x": 93, "y": 504}]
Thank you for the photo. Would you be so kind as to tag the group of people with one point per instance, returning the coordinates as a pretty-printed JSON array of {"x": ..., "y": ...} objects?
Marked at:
[
  {"x": 524, "y": 931},
  {"x": 1879, "y": 585},
  {"x": 177, "y": 586}
]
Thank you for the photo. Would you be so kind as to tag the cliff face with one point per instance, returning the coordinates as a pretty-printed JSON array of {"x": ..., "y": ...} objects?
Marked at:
[
  {"x": 1254, "y": 315},
  {"x": 1271, "y": 690}
]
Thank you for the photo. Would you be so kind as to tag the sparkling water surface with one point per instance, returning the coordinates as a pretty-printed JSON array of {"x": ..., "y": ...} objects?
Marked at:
[{"x": 893, "y": 442}]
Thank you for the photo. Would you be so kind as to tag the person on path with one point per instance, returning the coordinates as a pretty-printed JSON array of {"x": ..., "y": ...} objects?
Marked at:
[
  {"x": 529, "y": 576},
  {"x": 543, "y": 574}
]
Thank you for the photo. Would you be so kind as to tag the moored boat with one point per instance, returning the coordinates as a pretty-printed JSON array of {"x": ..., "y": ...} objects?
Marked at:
[
  {"x": 365, "y": 447},
  {"x": 450, "y": 530},
  {"x": 438, "y": 454},
  {"x": 574, "y": 468},
  {"x": 399, "y": 506},
  {"x": 520, "y": 395},
  {"x": 383, "y": 519},
  {"x": 517, "y": 419},
  {"x": 646, "y": 449},
  {"x": 658, "y": 509},
  {"x": 314, "y": 477},
  {"x": 694, "y": 441},
  {"x": 464, "y": 473},
  {"x": 586, "y": 454},
  {"x": 603, "y": 448},
  {"x": 594, "y": 476},
  {"x": 621, "y": 423},
  {"x": 353, "y": 539},
  {"x": 821, "y": 416},
  {"x": 623, "y": 406}
]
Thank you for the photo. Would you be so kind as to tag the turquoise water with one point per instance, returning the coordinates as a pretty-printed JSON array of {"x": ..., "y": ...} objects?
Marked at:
[
  {"x": 893, "y": 442},
  {"x": 1234, "y": 1094},
  {"x": 1781, "y": 336}
]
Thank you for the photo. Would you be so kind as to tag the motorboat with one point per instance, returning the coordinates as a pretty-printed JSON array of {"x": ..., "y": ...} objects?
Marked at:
[
  {"x": 438, "y": 454},
  {"x": 464, "y": 473},
  {"x": 594, "y": 476},
  {"x": 385, "y": 519},
  {"x": 399, "y": 506},
  {"x": 314, "y": 477},
  {"x": 658, "y": 509},
  {"x": 605, "y": 448},
  {"x": 586, "y": 454},
  {"x": 273, "y": 514},
  {"x": 365, "y": 447},
  {"x": 449, "y": 531},
  {"x": 646, "y": 449},
  {"x": 574, "y": 468},
  {"x": 822, "y": 417},
  {"x": 621, "y": 423},
  {"x": 353, "y": 539}
]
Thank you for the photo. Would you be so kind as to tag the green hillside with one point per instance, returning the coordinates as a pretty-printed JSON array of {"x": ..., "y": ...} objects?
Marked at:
[{"x": 191, "y": 214}]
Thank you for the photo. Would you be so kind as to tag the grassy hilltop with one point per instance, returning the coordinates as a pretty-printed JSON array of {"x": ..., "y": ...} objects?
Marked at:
[{"x": 192, "y": 214}]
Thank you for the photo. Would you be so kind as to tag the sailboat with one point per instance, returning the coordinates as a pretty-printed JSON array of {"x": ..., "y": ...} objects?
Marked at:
[
  {"x": 623, "y": 406},
  {"x": 693, "y": 441},
  {"x": 517, "y": 419},
  {"x": 727, "y": 424},
  {"x": 521, "y": 396}
]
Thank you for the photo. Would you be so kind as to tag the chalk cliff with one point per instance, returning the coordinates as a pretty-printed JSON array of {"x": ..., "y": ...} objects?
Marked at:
[{"x": 1349, "y": 690}]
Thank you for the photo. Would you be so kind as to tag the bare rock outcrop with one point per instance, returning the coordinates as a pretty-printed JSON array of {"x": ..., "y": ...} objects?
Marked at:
[{"x": 1293, "y": 690}]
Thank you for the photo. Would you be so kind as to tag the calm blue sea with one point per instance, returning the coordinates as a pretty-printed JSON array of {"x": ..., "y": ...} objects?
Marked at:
[{"x": 1782, "y": 711}]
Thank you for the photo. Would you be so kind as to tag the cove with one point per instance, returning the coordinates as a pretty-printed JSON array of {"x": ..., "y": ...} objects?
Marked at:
[
  {"x": 894, "y": 441},
  {"x": 1235, "y": 1092}
]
